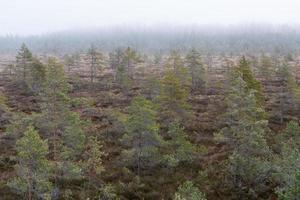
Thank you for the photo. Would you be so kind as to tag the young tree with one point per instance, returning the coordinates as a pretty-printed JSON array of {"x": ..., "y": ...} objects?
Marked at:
[
  {"x": 292, "y": 190},
  {"x": 173, "y": 99},
  {"x": 266, "y": 67},
  {"x": 123, "y": 78},
  {"x": 288, "y": 162},
  {"x": 251, "y": 83},
  {"x": 141, "y": 137},
  {"x": 62, "y": 127},
  {"x": 249, "y": 166},
  {"x": 130, "y": 60},
  {"x": 96, "y": 62},
  {"x": 158, "y": 57},
  {"x": 196, "y": 69},
  {"x": 151, "y": 87},
  {"x": 71, "y": 61},
  {"x": 187, "y": 191},
  {"x": 33, "y": 169},
  {"x": 175, "y": 64},
  {"x": 284, "y": 94},
  {"x": 115, "y": 58},
  {"x": 180, "y": 149},
  {"x": 124, "y": 62},
  {"x": 36, "y": 75},
  {"x": 174, "y": 61},
  {"x": 294, "y": 90},
  {"x": 291, "y": 134},
  {"x": 23, "y": 62},
  {"x": 93, "y": 164}
]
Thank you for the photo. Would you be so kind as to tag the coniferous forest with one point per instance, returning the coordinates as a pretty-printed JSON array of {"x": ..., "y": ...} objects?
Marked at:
[
  {"x": 131, "y": 125},
  {"x": 178, "y": 111}
]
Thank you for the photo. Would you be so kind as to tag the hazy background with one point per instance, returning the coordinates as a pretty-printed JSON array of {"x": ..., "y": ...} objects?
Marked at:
[{"x": 28, "y": 17}]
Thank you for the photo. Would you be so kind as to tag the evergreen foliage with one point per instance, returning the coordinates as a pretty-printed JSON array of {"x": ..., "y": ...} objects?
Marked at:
[{"x": 33, "y": 169}]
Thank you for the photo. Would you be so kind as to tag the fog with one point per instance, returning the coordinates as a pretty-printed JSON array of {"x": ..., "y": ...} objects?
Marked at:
[{"x": 32, "y": 17}]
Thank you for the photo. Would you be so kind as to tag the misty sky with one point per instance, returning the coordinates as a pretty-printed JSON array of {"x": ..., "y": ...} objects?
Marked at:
[{"x": 26, "y": 17}]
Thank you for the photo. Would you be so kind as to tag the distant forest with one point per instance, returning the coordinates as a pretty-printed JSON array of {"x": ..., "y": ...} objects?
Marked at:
[{"x": 250, "y": 39}]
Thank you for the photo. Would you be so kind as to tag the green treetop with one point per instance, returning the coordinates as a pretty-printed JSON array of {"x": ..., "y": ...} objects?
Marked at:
[
  {"x": 141, "y": 137},
  {"x": 24, "y": 59},
  {"x": 197, "y": 70},
  {"x": 96, "y": 62},
  {"x": 180, "y": 149},
  {"x": 251, "y": 82},
  {"x": 187, "y": 191},
  {"x": 173, "y": 98},
  {"x": 63, "y": 128},
  {"x": 33, "y": 167},
  {"x": 175, "y": 64},
  {"x": 245, "y": 133}
]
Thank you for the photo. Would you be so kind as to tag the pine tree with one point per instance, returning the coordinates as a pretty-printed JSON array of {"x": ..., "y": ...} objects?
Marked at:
[
  {"x": 180, "y": 149},
  {"x": 130, "y": 60},
  {"x": 266, "y": 67},
  {"x": 124, "y": 63},
  {"x": 141, "y": 137},
  {"x": 292, "y": 191},
  {"x": 62, "y": 127},
  {"x": 33, "y": 169},
  {"x": 36, "y": 75},
  {"x": 197, "y": 70},
  {"x": 187, "y": 191},
  {"x": 251, "y": 82},
  {"x": 71, "y": 61},
  {"x": 96, "y": 62},
  {"x": 175, "y": 64},
  {"x": 288, "y": 162},
  {"x": 115, "y": 59},
  {"x": 293, "y": 87},
  {"x": 23, "y": 59},
  {"x": 174, "y": 61},
  {"x": 244, "y": 131},
  {"x": 291, "y": 134},
  {"x": 93, "y": 163},
  {"x": 173, "y": 99},
  {"x": 151, "y": 87},
  {"x": 284, "y": 95}
]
